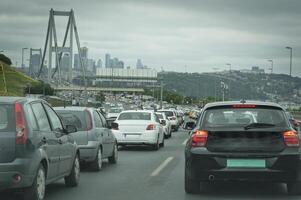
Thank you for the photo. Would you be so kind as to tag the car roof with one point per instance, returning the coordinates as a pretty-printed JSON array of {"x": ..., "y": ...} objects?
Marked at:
[
  {"x": 138, "y": 111},
  {"x": 73, "y": 108},
  {"x": 229, "y": 103},
  {"x": 12, "y": 100}
]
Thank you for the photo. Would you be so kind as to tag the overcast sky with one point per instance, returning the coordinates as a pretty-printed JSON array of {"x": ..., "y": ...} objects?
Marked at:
[{"x": 199, "y": 34}]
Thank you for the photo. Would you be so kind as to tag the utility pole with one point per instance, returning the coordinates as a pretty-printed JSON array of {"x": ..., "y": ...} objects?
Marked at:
[
  {"x": 291, "y": 58},
  {"x": 161, "y": 95}
]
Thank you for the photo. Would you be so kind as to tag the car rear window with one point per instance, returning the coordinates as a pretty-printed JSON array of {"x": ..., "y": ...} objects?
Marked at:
[
  {"x": 135, "y": 116},
  {"x": 160, "y": 116},
  {"x": 7, "y": 118},
  {"x": 75, "y": 118},
  {"x": 168, "y": 113},
  {"x": 243, "y": 116}
]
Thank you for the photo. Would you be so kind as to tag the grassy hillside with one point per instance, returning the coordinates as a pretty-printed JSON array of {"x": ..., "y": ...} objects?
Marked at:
[{"x": 15, "y": 81}]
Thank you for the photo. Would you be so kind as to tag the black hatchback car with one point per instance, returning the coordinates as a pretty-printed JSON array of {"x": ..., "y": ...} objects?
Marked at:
[
  {"x": 243, "y": 141},
  {"x": 35, "y": 148}
]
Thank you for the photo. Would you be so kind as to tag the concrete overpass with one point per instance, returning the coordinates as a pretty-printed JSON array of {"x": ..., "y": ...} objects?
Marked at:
[{"x": 97, "y": 89}]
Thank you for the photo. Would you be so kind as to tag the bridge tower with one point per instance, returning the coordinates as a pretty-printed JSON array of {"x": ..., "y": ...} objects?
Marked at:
[{"x": 53, "y": 48}]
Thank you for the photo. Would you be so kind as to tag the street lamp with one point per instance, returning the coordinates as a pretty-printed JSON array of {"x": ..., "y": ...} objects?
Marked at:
[
  {"x": 229, "y": 64},
  {"x": 291, "y": 58},
  {"x": 24, "y": 48},
  {"x": 272, "y": 65}
]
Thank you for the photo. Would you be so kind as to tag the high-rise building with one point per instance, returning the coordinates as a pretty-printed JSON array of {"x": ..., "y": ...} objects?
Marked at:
[
  {"x": 108, "y": 61},
  {"x": 84, "y": 52},
  {"x": 139, "y": 64},
  {"x": 76, "y": 62},
  {"x": 99, "y": 63},
  {"x": 35, "y": 63},
  {"x": 65, "y": 62}
]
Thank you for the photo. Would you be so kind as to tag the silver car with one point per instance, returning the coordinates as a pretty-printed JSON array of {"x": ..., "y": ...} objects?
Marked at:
[{"x": 94, "y": 137}]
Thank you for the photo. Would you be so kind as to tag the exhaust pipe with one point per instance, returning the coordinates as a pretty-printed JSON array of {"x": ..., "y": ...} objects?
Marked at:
[{"x": 211, "y": 177}]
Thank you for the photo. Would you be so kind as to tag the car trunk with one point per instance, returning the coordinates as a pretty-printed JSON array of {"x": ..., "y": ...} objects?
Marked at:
[
  {"x": 134, "y": 127},
  {"x": 245, "y": 141},
  {"x": 7, "y": 134}
]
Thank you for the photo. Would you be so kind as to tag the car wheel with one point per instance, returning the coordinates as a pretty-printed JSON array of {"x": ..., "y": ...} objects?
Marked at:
[
  {"x": 96, "y": 165},
  {"x": 37, "y": 190},
  {"x": 162, "y": 144},
  {"x": 191, "y": 186},
  {"x": 294, "y": 188},
  {"x": 113, "y": 159},
  {"x": 73, "y": 179},
  {"x": 156, "y": 146}
]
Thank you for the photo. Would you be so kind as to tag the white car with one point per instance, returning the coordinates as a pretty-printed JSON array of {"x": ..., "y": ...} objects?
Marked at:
[
  {"x": 113, "y": 112},
  {"x": 172, "y": 116},
  {"x": 165, "y": 123},
  {"x": 138, "y": 128}
]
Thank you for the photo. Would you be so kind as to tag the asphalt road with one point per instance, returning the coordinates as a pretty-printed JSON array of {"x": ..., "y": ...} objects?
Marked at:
[{"x": 142, "y": 173}]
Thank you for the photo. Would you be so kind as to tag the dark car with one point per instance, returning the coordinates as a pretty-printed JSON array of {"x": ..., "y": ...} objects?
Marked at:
[
  {"x": 94, "y": 137},
  {"x": 35, "y": 148},
  {"x": 243, "y": 141},
  {"x": 295, "y": 123}
]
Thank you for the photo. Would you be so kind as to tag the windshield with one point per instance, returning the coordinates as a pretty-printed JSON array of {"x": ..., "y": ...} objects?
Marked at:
[
  {"x": 168, "y": 113},
  {"x": 115, "y": 110},
  {"x": 241, "y": 117},
  {"x": 134, "y": 116}
]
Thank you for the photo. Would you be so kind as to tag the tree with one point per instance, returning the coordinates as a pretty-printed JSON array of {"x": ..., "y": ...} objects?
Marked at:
[
  {"x": 5, "y": 59},
  {"x": 39, "y": 88}
]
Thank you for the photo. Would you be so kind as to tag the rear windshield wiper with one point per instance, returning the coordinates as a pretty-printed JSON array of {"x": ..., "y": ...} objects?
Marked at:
[{"x": 258, "y": 125}]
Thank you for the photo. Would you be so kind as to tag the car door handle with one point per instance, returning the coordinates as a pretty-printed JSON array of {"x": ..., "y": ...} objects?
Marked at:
[{"x": 44, "y": 140}]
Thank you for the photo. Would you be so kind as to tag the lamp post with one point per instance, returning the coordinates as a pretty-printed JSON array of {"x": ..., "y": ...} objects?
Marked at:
[
  {"x": 24, "y": 48},
  {"x": 291, "y": 58},
  {"x": 229, "y": 64},
  {"x": 272, "y": 65}
]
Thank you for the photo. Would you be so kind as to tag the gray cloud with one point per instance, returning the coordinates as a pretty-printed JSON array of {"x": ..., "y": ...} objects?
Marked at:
[{"x": 200, "y": 34}]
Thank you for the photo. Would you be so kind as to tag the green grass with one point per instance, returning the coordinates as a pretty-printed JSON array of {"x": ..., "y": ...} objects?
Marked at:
[{"x": 15, "y": 81}]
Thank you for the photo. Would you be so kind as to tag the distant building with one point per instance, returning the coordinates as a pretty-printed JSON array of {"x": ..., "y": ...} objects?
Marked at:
[
  {"x": 35, "y": 63},
  {"x": 99, "y": 63},
  {"x": 139, "y": 64},
  {"x": 84, "y": 52},
  {"x": 76, "y": 62},
  {"x": 90, "y": 65},
  {"x": 254, "y": 70},
  {"x": 65, "y": 62},
  {"x": 108, "y": 61}
]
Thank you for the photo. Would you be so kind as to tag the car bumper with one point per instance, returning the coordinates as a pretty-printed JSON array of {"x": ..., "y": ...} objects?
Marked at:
[
  {"x": 281, "y": 168},
  {"x": 88, "y": 152},
  {"x": 17, "y": 167}
]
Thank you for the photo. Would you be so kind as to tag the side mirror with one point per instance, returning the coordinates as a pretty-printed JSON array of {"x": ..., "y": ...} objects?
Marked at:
[
  {"x": 70, "y": 129},
  {"x": 163, "y": 122},
  {"x": 190, "y": 125},
  {"x": 114, "y": 125}
]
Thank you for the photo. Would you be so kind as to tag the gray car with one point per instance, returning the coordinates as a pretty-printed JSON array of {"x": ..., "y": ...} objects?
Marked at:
[
  {"x": 94, "y": 137},
  {"x": 35, "y": 148}
]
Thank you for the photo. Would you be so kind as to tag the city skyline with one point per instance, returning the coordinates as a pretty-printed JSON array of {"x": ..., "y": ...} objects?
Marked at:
[{"x": 201, "y": 35}]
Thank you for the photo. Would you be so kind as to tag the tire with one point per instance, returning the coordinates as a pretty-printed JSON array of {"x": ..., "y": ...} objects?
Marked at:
[
  {"x": 191, "y": 186},
  {"x": 72, "y": 180},
  {"x": 96, "y": 165},
  {"x": 113, "y": 159},
  {"x": 37, "y": 190},
  {"x": 162, "y": 144},
  {"x": 156, "y": 146},
  {"x": 294, "y": 188}
]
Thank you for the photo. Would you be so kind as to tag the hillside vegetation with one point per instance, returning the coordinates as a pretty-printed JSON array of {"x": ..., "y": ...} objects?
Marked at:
[
  {"x": 275, "y": 87},
  {"x": 15, "y": 81}
]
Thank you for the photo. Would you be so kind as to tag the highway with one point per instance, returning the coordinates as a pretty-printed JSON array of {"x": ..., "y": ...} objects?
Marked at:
[{"x": 142, "y": 173}]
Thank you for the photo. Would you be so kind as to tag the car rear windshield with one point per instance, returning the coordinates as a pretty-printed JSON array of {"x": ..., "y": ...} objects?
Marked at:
[
  {"x": 160, "y": 116},
  {"x": 7, "y": 118},
  {"x": 168, "y": 113},
  {"x": 228, "y": 117},
  {"x": 115, "y": 110},
  {"x": 75, "y": 118},
  {"x": 135, "y": 116}
]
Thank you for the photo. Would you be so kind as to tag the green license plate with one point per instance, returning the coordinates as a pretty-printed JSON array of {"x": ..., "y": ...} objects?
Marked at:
[{"x": 246, "y": 163}]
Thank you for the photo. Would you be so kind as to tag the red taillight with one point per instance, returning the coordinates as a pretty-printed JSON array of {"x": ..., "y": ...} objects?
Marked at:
[
  {"x": 21, "y": 134},
  {"x": 291, "y": 138},
  {"x": 89, "y": 121},
  {"x": 199, "y": 138},
  {"x": 244, "y": 106},
  {"x": 151, "y": 127}
]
